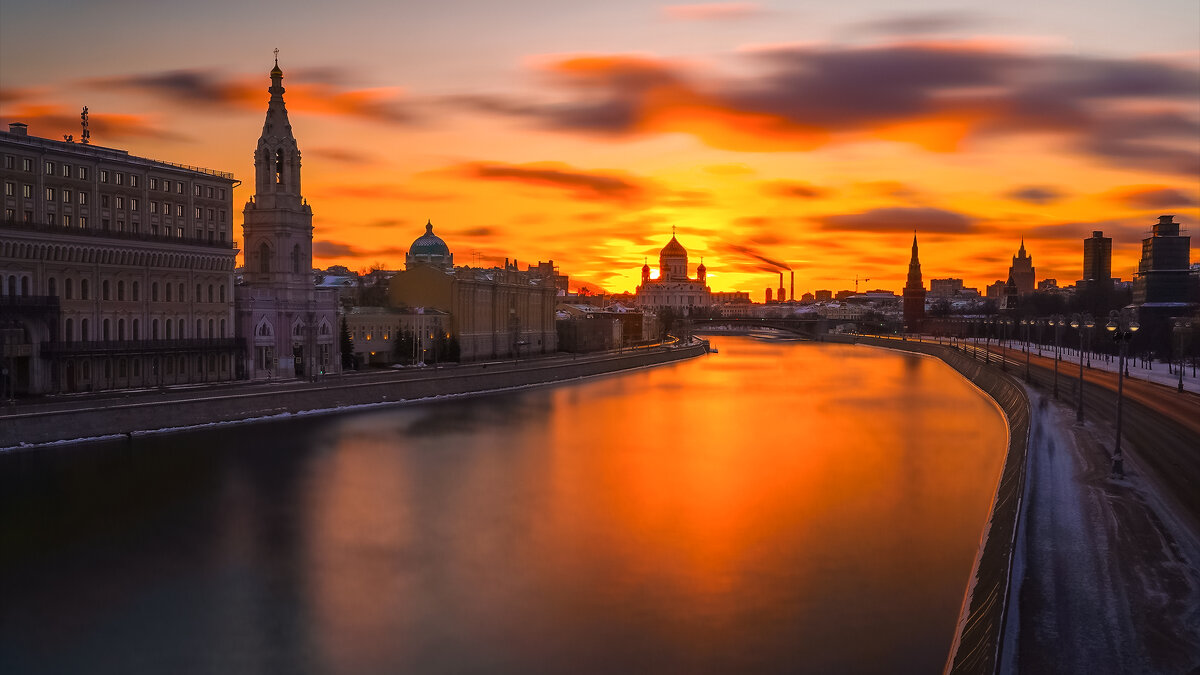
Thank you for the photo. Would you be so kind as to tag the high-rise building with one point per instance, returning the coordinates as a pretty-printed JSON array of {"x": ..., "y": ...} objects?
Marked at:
[
  {"x": 1022, "y": 272},
  {"x": 1097, "y": 262},
  {"x": 914, "y": 293},
  {"x": 291, "y": 326},
  {"x": 1162, "y": 275},
  {"x": 115, "y": 270}
]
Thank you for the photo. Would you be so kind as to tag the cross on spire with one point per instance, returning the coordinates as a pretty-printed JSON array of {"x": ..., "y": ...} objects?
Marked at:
[{"x": 277, "y": 56}]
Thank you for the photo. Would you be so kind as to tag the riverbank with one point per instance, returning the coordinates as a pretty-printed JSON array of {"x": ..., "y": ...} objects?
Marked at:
[{"x": 111, "y": 414}]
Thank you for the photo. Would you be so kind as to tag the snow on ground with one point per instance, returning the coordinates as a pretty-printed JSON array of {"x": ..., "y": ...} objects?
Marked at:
[{"x": 1106, "y": 580}]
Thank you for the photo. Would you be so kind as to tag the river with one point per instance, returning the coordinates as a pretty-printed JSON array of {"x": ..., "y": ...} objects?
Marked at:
[{"x": 777, "y": 507}]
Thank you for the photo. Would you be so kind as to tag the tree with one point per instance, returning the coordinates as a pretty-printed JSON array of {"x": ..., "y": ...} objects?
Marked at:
[{"x": 347, "y": 345}]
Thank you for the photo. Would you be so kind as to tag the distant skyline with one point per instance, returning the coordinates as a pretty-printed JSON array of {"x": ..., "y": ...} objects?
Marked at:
[{"x": 816, "y": 136}]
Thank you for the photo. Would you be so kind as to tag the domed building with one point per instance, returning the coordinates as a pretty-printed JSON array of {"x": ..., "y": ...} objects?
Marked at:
[
  {"x": 429, "y": 249},
  {"x": 674, "y": 288}
]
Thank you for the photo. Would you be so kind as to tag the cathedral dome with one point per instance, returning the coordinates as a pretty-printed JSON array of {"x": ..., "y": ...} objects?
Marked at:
[
  {"x": 429, "y": 244},
  {"x": 673, "y": 248}
]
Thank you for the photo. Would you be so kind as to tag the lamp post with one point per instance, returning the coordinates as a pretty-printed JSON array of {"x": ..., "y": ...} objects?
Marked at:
[
  {"x": 1122, "y": 332},
  {"x": 1080, "y": 322},
  {"x": 1057, "y": 322},
  {"x": 987, "y": 341},
  {"x": 1181, "y": 327},
  {"x": 1027, "y": 323},
  {"x": 1005, "y": 323}
]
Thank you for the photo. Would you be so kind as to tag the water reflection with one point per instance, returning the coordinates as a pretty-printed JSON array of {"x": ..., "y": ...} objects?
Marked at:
[{"x": 778, "y": 507}]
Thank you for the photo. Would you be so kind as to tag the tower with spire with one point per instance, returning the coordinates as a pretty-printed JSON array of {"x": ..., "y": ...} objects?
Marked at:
[
  {"x": 291, "y": 327},
  {"x": 914, "y": 293},
  {"x": 1021, "y": 272}
]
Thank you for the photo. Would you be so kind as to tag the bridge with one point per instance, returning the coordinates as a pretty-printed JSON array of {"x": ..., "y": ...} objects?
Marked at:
[{"x": 804, "y": 327}]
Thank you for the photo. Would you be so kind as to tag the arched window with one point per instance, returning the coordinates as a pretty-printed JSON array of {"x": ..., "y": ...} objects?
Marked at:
[
  {"x": 210, "y": 328},
  {"x": 52, "y": 287},
  {"x": 105, "y": 333},
  {"x": 154, "y": 329},
  {"x": 120, "y": 290},
  {"x": 120, "y": 329},
  {"x": 24, "y": 285},
  {"x": 222, "y": 327},
  {"x": 210, "y": 292},
  {"x": 279, "y": 166},
  {"x": 69, "y": 290},
  {"x": 137, "y": 294},
  {"x": 264, "y": 258},
  {"x": 182, "y": 297},
  {"x": 104, "y": 289},
  {"x": 83, "y": 289},
  {"x": 69, "y": 332},
  {"x": 182, "y": 329},
  {"x": 137, "y": 330},
  {"x": 296, "y": 259},
  {"x": 84, "y": 334},
  {"x": 222, "y": 288},
  {"x": 198, "y": 297},
  {"x": 199, "y": 325},
  {"x": 12, "y": 285},
  {"x": 167, "y": 287}
]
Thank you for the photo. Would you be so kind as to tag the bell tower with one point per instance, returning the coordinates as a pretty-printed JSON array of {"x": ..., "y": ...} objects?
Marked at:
[{"x": 278, "y": 221}]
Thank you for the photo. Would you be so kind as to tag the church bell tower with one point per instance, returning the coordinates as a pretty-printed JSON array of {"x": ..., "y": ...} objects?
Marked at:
[{"x": 278, "y": 221}]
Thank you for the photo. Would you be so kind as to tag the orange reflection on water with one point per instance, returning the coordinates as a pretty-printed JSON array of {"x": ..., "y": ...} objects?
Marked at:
[{"x": 713, "y": 514}]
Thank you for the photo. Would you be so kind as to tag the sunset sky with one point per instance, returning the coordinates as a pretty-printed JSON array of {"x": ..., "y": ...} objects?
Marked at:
[{"x": 815, "y": 136}]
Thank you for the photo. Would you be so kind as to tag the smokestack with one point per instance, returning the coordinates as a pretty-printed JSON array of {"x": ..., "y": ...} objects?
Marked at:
[
  {"x": 782, "y": 297},
  {"x": 793, "y": 292},
  {"x": 768, "y": 294}
]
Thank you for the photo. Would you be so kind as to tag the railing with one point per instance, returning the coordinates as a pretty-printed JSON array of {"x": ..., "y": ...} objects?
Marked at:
[
  {"x": 197, "y": 169},
  {"x": 115, "y": 234},
  {"x": 33, "y": 301},
  {"x": 140, "y": 346}
]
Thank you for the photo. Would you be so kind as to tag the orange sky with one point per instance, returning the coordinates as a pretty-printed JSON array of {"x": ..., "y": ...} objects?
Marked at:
[{"x": 766, "y": 135}]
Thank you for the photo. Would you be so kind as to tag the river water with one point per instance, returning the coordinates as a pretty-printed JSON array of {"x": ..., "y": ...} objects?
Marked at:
[{"x": 776, "y": 507}]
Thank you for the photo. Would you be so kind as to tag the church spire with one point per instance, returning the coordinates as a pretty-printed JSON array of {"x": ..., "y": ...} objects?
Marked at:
[{"x": 277, "y": 158}]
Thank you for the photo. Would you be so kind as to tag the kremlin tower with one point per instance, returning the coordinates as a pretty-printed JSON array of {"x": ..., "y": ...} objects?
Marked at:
[{"x": 914, "y": 294}]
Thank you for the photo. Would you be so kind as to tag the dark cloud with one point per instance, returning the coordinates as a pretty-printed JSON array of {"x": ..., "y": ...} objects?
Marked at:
[
  {"x": 1036, "y": 194},
  {"x": 480, "y": 231},
  {"x": 794, "y": 189},
  {"x": 591, "y": 186},
  {"x": 389, "y": 222},
  {"x": 920, "y": 23},
  {"x": 186, "y": 87},
  {"x": 1154, "y": 197},
  {"x": 337, "y": 249},
  {"x": 49, "y": 121},
  {"x": 899, "y": 219},
  {"x": 752, "y": 253},
  {"x": 341, "y": 156}
]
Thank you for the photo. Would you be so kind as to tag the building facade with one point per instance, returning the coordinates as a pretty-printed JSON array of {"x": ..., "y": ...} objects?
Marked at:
[
  {"x": 674, "y": 289},
  {"x": 914, "y": 293},
  {"x": 384, "y": 335},
  {"x": 291, "y": 327},
  {"x": 115, "y": 270},
  {"x": 1163, "y": 271},
  {"x": 1097, "y": 262},
  {"x": 492, "y": 313},
  {"x": 1022, "y": 273}
]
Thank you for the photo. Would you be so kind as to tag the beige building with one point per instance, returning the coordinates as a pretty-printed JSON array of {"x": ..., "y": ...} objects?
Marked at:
[
  {"x": 380, "y": 333},
  {"x": 115, "y": 270},
  {"x": 493, "y": 313},
  {"x": 291, "y": 327}
]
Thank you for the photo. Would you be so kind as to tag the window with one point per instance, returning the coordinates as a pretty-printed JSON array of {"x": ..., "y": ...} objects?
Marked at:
[
  {"x": 83, "y": 222},
  {"x": 66, "y": 220},
  {"x": 49, "y": 218},
  {"x": 133, "y": 180},
  {"x": 50, "y": 194},
  {"x": 182, "y": 298},
  {"x": 66, "y": 196},
  {"x": 9, "y": 161},
  {"x": 166, "y": 186},
  {"x": 83, "y": 173},
  {"x": 105, "y": 331},
  {"x": 199, "y": 213},
  {"x": 296, "y": 259},
  {"x": 196, "y": 190},
  {"x": 82, "y": 197},
  {"x": 49, "y": 168},
  {"x": 154, "y": 329},
  {"x": 27, "y": 191},
  {"x": 197, "y": 296},
  {"x": 27, "y": 164},
  {"x": 68, "y": 332},
  {"x": 137, "y": 334},
  {"x": 211, "y": 215},
  {"x": 120, "y": 201},
  {"x": 222, "y": 327},
  {"x": 83, "y": 289},
  {"x": 179, "y": 212},
  {"x": 153, "y": 207},
  {"x": 179, "y": 189},
  {"x": 104, "y": 289},
  {"x": 120, "y": 178},
  {"x": 279, "y": 166},
  {"x": 120, "y": 291},
  {"x": 153, "y": 183},
  {"x": 121, "y": 329},
  {"x": 210, "y": 293},
  {"x": 10, "y": 189},
  {"x": 120, "y": 226},
  {"x": 168, "y": 328},
  {"x": 199, "y": 326},
  {"x": 84, "y": 333},
  {"x": 264, "y": 258},
  {"x": 10, "y": 214},
  {"x": 52, "y": 286},
  {"x": 210, "y": 193},
  {"x": 104, "y": 201},
  {"x": 103, "y": 175},
  {"x": 66, "y": 170},
  {"x": 222, "y": 218},
  {"x": 222, "y": 291},
  {"x": 68, "y": 290},
  {"x": 133, "y": 205},
  {"x": 222, "y": 192},
  {"x": 168, "y": 290}
]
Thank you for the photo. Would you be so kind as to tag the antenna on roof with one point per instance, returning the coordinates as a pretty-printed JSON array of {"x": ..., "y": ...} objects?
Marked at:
[{"x": 86, "y": 137}]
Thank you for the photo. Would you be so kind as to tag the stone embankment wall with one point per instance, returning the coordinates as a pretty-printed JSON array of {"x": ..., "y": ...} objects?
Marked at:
[
  {"x": 111, "y": 416},
  {"x": 981, "y": 624}
]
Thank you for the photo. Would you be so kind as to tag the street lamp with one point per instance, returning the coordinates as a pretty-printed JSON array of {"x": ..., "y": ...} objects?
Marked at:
[
  {"x": 1005, "y": 323},
  {"x": 1181, "y": 328},
  {"x": 1027, "y": 323},
  {"x": 1079, "y": 322},
  {"x": 1057, "y": 321},
  {"x": 1122, "y": 332},
  {"x": 987, "y": 341}
]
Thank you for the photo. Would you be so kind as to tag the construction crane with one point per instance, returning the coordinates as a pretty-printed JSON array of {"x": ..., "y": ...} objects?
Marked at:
[{"x": 856, "y": 280}]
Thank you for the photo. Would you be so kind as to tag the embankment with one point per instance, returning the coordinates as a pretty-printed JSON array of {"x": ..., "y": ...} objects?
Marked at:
[
  {"x": 89, "y": 418},
  {"x": 981, "y": 623}
]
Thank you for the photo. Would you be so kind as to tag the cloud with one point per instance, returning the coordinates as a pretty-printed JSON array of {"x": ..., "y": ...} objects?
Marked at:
[
  {"x": 341, "y": 156},
  {"x": 937, "y": 95},
  {"x": 318, "y": 91},
  {"x": 794, "y": 189},
  {"x": 336, "y": 249},
  {"x": 480, "y": 231},
  {"x": 899, "y": 219},
  {"x": 616, "y": 187},
  {"x": 713, "y": 11},
  {"x": 1152, "y": 197},
  {"x": 733, "y": 169},
  {"x": 920, "y": 23},
  {"x": 379, "y": 191},
  {"x": 1036, "y": 194},
  {"x": 49, "y": 121}
]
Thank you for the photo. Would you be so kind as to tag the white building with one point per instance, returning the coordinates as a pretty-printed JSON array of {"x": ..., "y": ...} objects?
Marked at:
[
  {"x": 673, "y": 288},
  {"x": 291, "y": 327}
]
